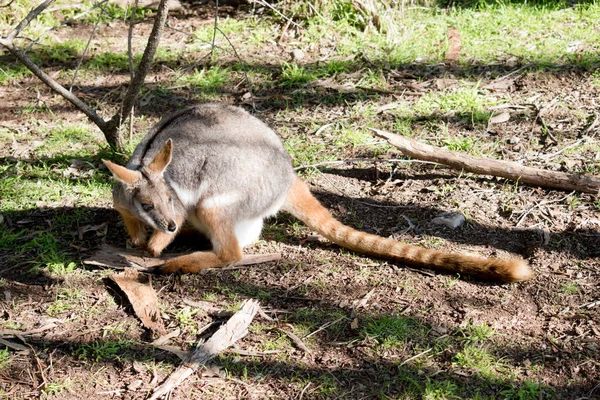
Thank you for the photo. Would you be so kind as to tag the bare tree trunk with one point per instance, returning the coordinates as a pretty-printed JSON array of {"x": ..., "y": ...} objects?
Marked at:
[{"x": 484, "y": 166}]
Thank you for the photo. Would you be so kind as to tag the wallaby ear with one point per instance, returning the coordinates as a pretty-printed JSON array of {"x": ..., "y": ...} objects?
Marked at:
[
  {"x": 162, "y": 159},
  {"x": 123, "y": 174}
]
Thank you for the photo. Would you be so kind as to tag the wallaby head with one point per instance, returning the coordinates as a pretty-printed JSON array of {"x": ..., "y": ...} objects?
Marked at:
[{"x": 145, "y": 192}]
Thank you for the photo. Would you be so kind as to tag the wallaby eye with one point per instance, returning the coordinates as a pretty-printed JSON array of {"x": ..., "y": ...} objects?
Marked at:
[{"x": 147, "y": 206}]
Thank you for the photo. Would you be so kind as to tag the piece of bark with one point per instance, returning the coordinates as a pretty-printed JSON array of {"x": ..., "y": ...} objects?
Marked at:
[
  {"x": 233, "y": 330},
  {"x": 114, "y": 257},
  {"x": 141, "y": 295},
  {"x": 454, "y": 45},
  {"x": 484, "y": 166}
]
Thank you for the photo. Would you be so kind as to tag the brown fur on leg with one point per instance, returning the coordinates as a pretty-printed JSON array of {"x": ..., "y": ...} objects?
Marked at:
[
  {"x": 226, "y": 249},
  {"x": 135, "y": 228}
]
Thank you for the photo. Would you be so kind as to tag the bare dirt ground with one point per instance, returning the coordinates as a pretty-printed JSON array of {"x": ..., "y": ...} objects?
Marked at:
[{"x": 546, "y": 330}]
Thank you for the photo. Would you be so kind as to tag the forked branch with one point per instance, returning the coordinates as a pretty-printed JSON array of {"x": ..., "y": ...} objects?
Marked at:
[{"x": 110, "y": 128}]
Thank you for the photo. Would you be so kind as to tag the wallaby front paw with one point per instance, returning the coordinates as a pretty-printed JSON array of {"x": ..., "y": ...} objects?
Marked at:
[{"x": 154, "y": 252}]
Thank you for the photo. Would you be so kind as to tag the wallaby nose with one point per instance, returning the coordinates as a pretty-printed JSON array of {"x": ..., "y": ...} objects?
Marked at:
[{"x": 172, "y": 227}]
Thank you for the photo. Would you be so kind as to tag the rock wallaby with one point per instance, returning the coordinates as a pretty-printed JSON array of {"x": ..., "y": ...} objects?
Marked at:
[{"x": 225, "y": 171}]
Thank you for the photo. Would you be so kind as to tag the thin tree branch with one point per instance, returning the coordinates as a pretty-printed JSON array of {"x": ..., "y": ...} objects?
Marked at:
[
  {"x": 65, "y": 22},
  {"x": 130, "y": 57},
  {"x": 212, "y": 48},
  {"x": 87, "y": 110},
  {"x": 87, "y": 46},
  {"x": 23, "y": 24},
  {"x": 113, "y": 137}
]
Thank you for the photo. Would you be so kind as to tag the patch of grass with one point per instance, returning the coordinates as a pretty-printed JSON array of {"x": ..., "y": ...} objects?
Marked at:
[
  {"x": 465, "y": 144},
  {"x": 307, "y": 152},
  {"x": 392, "y": 331},
  {"x": 569, "y": 288},
  {"x": 62, "y": 52},
  {"x": 440, "y": 390},
  {"x": 526, "y": 391},
  {"x": 101, "y": 350},
  {"x": 5, "y": 358},
  {"x": 208, "y": 80},
  {"x": 476, "y": 333},
  {"x": 186, "y": 319},
  {"x": 25, "y": 186},
  {"x": 110, "y": 61},
  {"x": 12, "y": 74},
  {"x": 293, "y": 75},
  {"x": 466, "y": 102},
  {"x": 479, "y": 359},
  {"x": 56, "y": 387}
]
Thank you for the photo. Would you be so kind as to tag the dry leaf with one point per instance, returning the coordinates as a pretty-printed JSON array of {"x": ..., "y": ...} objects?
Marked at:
[
  {"x": 141, "y": 295},
  {"x": 498, "y": 119}
]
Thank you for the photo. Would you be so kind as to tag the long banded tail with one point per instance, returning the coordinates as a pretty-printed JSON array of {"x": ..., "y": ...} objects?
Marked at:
[{"x": 304, "y": 206}]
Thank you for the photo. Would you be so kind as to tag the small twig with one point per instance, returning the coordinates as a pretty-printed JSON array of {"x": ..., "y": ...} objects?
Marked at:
[
  {"x": 296, "y": 340},
  {"x": 23, "y": 24},
  {"x": 357, "y": 160},
  {"x": 243, "y": 64},
  {"x": 592, "y": 125},
  {"x": 212, "y": 48},
  {"x": 309, "y": 383},
  {"x": 324, "y": 326},
  {"x": 130, "y": 38},
  {"x": 87, "y": 46},
  {"x": 264, "y": 3},
  {"x": 63, "y": 23},
  {"x": 254, "y": 353},
  {"x": 542, "y": 203},
  {"x": 414, "y": 357},
  {"x": 209, "y": 308},
  {"x": 7, "y": 4},
  {"x": 516, "y": 71},
  {"x": 574, "y": 144},
  {"x": 360, "y": 201},
  {"x": 87, "y": 110},
  {"x": 590, "y": 305}
]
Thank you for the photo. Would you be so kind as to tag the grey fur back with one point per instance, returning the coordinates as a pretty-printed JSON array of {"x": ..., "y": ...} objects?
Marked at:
[{"x": 221, "y": 152}]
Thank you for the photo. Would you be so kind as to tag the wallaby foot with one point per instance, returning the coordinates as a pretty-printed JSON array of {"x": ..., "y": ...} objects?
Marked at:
[{"x": 195, "y": 262}]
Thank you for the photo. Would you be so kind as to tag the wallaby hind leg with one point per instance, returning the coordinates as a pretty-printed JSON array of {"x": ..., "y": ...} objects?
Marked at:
[
  {"x": 135, "y": 228},
  {"x": 226, "y": 249},
  {"x": 159, "y": 239}
]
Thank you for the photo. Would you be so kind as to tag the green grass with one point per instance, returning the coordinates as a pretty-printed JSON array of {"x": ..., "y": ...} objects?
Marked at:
[
  {"x": 293, "y": 75},
  {"x": 102, "y": 350},
  {"x": 569, "y": 288},
  {"x": 392, "y": 331},
  {"x": 5, "y": 358},
  {"x": 441, "y": 390},
  {"x": 476, "y": 333},
  {"x": 208, "y": 80},
  {"x": 478, "y": 359}
]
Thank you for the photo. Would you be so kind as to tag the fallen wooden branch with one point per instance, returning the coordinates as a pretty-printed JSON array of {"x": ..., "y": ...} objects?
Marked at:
[
  {"x": 235, "y": 329},
  {"x": 484, "y": 166},
  {"x": 114, "y": 257}
]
